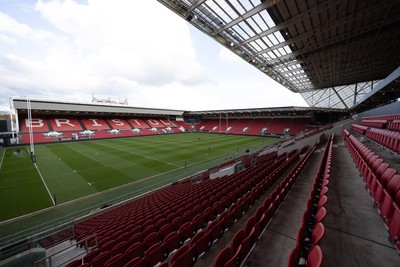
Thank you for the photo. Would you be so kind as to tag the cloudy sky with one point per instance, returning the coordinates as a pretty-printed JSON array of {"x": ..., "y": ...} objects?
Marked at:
[{"x": 71, "y": 49}]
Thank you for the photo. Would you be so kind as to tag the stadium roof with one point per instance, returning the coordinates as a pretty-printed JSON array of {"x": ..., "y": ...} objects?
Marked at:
[
  {"x": 331, "y": 52},
  {"x": 44, "y": 106}
]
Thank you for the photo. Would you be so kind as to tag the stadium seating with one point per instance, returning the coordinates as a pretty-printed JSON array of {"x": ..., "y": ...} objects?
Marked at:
[
  {"x": 224, "y": 202},
  {"x": 381, "y": 181},
  {"x": 312, "y": 229},
  {"x": 38, "y": 124},
  {"x": 118, "y": 123},
  {"x": 65, "y": 123},
  {"x": 243, "y": 241},
  {"x": 95, "y": 124}
]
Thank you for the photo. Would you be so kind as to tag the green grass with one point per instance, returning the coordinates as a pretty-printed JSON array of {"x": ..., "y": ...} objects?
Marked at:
[{"x": 75, "y": 170}]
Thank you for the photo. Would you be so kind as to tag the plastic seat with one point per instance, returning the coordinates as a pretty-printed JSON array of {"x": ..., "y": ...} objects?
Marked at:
[
  {"x": 186, "y": 259},
  {"x": 155, "y": 254},
  {"x": 120, "y": 248},
  {"x": 237, "y": 239},
  {"x": 315, "y": 257},
  {"x": 172, "y": 242},
  {"x": 74, "y": 263},
  {"x": 136, "y": 262},
  {"x": 246, "y": 244},
  {"x": 393, "y": 185},
  {"x": 187, "y": 231},
  {"x": 294, "y": 257},
  {"x": 182, "y": 250},
  {"x": 321, "y": 214},
  {"x": 259, "y": 226},
  {"x": 235, "y": 259},
  {"x": 387, "y": 176},
  {"x": 91, "y": 255},
  {"x": 317, "y": 234},
  {"x": 202, "y": 244},
  {"x": 394, "y": 227},
  {"x": 249, "y": 225},
  {"x": 152, "y": 239},
  {"x": 223, "y": 257},
  {"x": 116, "y": 261},
  {"x": 101, "y": 259},
  {"x": 215, "y": 230},
  {"x": 134, "y": 251}
]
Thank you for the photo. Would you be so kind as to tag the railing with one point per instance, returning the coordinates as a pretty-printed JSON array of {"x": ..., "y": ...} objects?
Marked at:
[{"x": 49, "y": 260}]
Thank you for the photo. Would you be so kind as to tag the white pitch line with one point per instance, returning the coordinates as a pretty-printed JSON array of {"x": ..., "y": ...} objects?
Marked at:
[
  {"x": 48, "y": 191},
  {"x": 2, "y": 158},
  {"x": 41, "y": 177}
]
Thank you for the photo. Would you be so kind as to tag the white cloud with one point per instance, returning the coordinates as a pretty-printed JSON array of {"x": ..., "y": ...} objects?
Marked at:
[{"x": 122, "y": 48}]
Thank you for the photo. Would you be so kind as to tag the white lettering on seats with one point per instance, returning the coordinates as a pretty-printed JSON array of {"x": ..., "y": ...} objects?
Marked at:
[
  {"x": 138, "y": 123},
  {"x": 34, "y": 123},
  {"x": 118, "y": 122},
  {"x": 153, "y": 122},
  {"x": 63, "y": 121},
  {"x": 95, "y": 123},
  {"x": 167, "y": 123}
]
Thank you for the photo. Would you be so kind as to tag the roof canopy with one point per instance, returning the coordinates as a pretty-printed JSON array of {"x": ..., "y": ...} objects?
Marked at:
[{"x": 332, "y": 52}]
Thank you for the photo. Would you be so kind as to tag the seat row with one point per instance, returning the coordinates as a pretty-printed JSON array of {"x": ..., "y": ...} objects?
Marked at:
[
  {"x": 243, "y": 241},
  {"x": 382, "y": 182},
  {"x": 307, "y": 251},
  {"x": 199, "y": 207},
  {"x": 389, "y": 139}
]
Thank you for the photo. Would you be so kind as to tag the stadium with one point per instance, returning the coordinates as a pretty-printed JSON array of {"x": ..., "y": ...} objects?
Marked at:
[{"x": 104, "y": 183}]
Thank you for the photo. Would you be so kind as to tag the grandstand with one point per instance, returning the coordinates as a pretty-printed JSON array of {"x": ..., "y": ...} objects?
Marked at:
[{"x": 300, "y": 186}]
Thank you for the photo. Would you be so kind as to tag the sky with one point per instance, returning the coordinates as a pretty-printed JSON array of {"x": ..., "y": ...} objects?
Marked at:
[{"x": 139, "y": 50}]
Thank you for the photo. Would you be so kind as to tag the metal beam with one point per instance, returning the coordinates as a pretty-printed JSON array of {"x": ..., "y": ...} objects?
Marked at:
[
  {"x": 340, "y": 98},
  {"x": 264, "y": 5},
  {"x": 195, "y": 5}
]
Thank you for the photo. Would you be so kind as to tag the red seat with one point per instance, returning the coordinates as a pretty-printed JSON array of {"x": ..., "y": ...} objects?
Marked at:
[
  {"x": 249, "y": 225},
  {"x": 74, "y": 263},
  {"x": 186, "y": 259},
  {"x": 393, "y": 185},
  {"x": 246, "y": 244},
  {"x": 182, "y": 250},
  {"x": 116, "y": 261},
  {"x": 317, "y": 234},
  {"x": 387, "y": 176},
  {"x": 237, "y": 239},
  {"x": 315, "y": 257},
  {"x": 152, "y": 239},
  {"x": 187, "y": 231},
  {"x": 91, "y": 255},
  {"x": 394, "y": 227},
  {"x": 165, "y": 230},
  {"x": 120, "y": 248},
  {"x": 155, "y": 254},
  {"x": 134, "y": 251},
  {"x": 235, "y": 259},
  {"x": 136, "y": 262},
  {"x": 101, "y": 259},
  {"x": 215, "y": 230},
  {"x": 294, "y": 257},
  {"x": 172, "y": 241},
  {"x": 223, "y": 257},
  {"x": 202, "y": 244}
]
